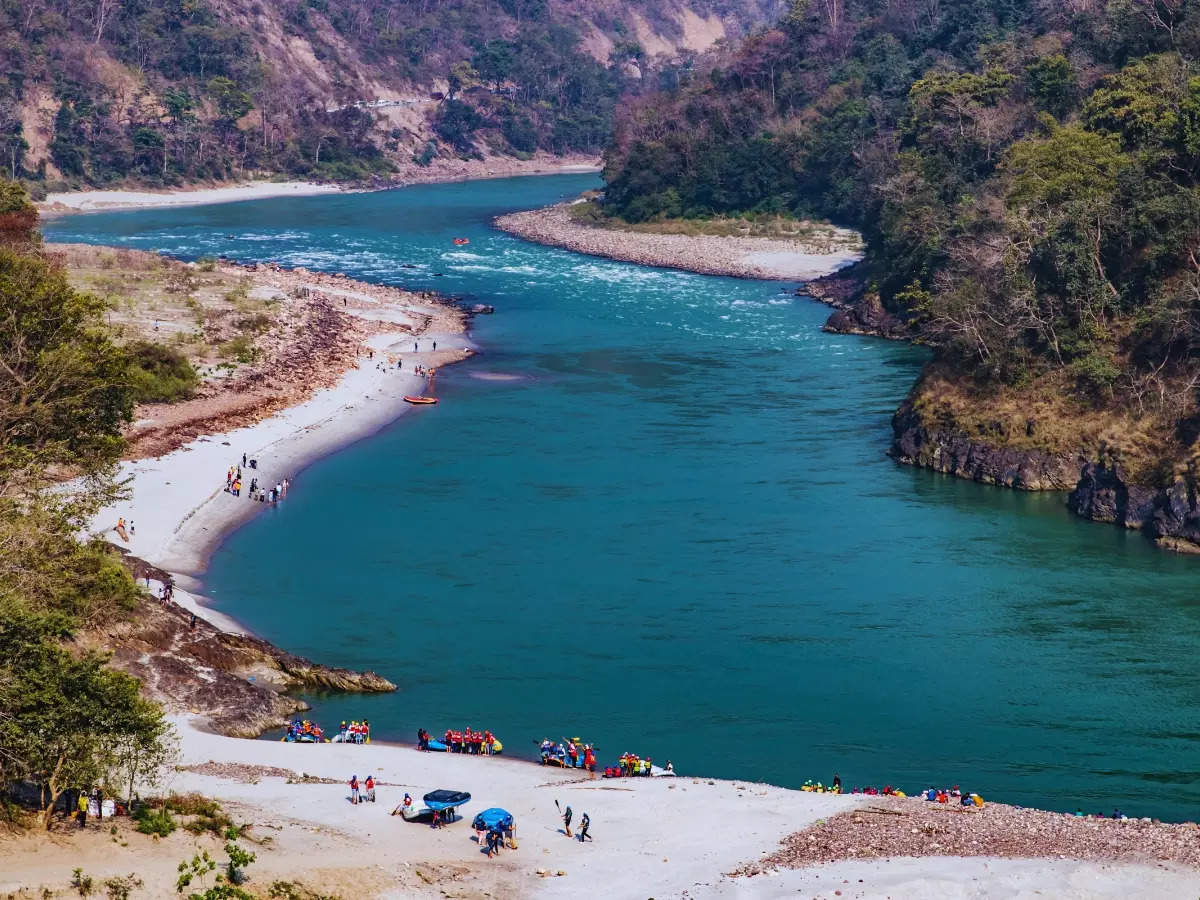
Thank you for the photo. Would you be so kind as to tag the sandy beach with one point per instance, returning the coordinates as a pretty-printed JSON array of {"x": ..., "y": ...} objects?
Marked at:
[
  {"x": 734, "y": 256},
  {"x": 653, "y": 837},
  {"x": 441, "y": 170}
]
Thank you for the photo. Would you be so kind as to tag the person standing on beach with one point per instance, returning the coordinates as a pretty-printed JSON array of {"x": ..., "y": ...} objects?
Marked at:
[
  {"x": 354, "y": 790},
  {"x": 371, "y": 788},
  {"x": 567, "y": 820},
  {"x": 243, "y": 459},
  {"x": 584, "y": 824},
  {"x": 435, "y": 345},
  {"x": 415, "y": 347}
]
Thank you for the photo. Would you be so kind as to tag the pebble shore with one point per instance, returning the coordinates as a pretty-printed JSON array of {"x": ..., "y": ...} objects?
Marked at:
[
  {"x": 737, "y": 257},
  {"x": 890, "y": 827}
]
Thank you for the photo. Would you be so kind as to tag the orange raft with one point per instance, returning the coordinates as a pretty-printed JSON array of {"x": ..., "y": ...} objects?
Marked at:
[
  {"x": 424, "y": 401},
  {"x": 461, "y": 242}
]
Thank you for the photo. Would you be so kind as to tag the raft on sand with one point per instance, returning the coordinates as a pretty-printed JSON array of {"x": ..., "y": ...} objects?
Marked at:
[
  {"x": 443, "y": 801},
  {"x": 495, "y": 817}
]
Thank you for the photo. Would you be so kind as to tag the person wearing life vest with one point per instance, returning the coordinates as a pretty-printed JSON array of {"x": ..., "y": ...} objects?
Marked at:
[
  {"x": 589, "y": 760},
  {"x": 488, "y": 740},
  {"x": 371, "y": 788},
  {"x": 354, "y": 790},
  {"x": 572, "y": 752}
]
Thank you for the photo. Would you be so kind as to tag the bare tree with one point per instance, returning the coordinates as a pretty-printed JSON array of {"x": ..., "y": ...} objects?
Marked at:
[{"x": 104, "y": 11}]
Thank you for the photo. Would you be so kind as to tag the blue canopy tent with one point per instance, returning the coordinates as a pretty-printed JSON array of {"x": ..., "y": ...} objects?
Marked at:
[{"x": 493, "y": 818}]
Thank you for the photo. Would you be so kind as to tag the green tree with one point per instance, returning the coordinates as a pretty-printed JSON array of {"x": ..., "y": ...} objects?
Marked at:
[
  {"x": 64, "y": 715},
  {"x": 64, "y": 388},
  {"x": 232, "y": 101},
  {"x": 1052, "y": 82}
]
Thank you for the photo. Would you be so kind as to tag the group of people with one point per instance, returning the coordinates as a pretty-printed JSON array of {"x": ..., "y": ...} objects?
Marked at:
[
  {"x": 362, "y": 793},
  {"x": 233, "y": 484},
  {"x": 355, "y": 733},
  {"x": 125, "y": 531},
  {"x": 1116, "y": 814},
  {"x": 92, "y": 802},
  {"x": 305, "y": 732},
  {"x": 630, "y": 765},
  {"x": 584, "y": 824},
  {"x": 466, "y": 741},
  {"x": 962, "y": 798},
  {"x": 571, "y": 753}
]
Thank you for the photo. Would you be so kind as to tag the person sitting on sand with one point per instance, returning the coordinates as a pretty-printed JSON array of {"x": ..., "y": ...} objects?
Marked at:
[{"x": 966, "y": 800}]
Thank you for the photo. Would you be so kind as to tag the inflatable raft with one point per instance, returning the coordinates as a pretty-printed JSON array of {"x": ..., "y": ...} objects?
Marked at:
[{"x": 420, "y": 401}]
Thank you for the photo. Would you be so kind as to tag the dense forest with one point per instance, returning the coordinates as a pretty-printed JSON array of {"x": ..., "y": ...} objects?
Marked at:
[
  {"x": 163, "y": 91},
  {"x": 1026, "y": 175}
]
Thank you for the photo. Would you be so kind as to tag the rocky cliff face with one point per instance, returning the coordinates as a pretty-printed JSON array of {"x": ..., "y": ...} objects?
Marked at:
[
  {"x": 1169, "y": 515},
  {"x": 949, "y": 450},
  {"x": 857, "y": 310}
]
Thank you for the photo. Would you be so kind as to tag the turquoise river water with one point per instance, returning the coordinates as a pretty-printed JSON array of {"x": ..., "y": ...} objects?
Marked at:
[{"x": 673, "y": 530}]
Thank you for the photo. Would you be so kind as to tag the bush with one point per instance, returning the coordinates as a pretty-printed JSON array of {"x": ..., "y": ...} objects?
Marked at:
[
  {"x": 160, "y": 374},
  {"x": 158, "y": 822},
  {"x": 427, "y": 154}
]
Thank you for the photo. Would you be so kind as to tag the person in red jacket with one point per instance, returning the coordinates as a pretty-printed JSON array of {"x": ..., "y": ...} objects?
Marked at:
[{"x": 589, "y": 760}]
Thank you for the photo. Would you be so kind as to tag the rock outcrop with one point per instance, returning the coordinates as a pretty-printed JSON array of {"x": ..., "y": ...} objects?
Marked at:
[
  {"x": 238, "y": 682},
  {"x": 1169, "y": 515},
  {"x": 950, "y": 450},
  {"x": 857, "y": 310}
]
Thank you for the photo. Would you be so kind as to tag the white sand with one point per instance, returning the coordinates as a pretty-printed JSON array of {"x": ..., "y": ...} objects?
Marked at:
[
  {"x": 801, "y": 266},
  {"x": 83, "y": 201},
  {"x": 179, "y": 507}
]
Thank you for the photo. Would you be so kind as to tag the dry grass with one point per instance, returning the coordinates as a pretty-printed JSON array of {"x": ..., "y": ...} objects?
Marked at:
[
  {"x": 1046, "y": 414},
  {"x": 208, "y": 313}
]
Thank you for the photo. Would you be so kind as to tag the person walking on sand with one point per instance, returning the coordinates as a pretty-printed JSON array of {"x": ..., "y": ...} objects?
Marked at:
[
  {"x": 371, "y": 788},
  {"x": 354, "y": 790},
  {"x": 584, "y": 824},
  {"x": 567, "y": 821},
  {"x": 415, "y": 347},
  {"x": 83, "y": 808}
]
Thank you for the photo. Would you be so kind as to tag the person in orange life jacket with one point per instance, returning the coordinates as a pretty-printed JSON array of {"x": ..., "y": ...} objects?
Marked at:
[
  {"x": 354, "y": 789},
  {"x": 371, "y": 788}
]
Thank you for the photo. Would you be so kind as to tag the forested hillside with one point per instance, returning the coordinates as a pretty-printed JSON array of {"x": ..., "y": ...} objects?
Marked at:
[
  {"x": 1026, "y": 175},
  {"x": 163, "y": 91}
]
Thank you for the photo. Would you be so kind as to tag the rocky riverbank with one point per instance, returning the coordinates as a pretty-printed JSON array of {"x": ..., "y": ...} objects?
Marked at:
[
  {"x": 235, "y": 681},
  {"x": 827, "y": 250},
  {"x": 856, "y": 309}
]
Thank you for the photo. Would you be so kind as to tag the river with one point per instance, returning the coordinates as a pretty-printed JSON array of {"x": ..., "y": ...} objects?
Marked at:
[{"x": 656, "y": 512}]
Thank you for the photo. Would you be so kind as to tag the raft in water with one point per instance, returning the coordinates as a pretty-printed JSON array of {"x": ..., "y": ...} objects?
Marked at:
[{"x": 420, "y": 401}]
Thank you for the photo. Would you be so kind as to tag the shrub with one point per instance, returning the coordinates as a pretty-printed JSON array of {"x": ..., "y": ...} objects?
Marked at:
[
  {"x": 158, "y": 821},
  {"x": 160, "y": 374}
]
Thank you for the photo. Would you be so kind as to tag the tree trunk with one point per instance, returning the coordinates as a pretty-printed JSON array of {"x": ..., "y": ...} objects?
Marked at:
[{"x": 55, "y": 790}]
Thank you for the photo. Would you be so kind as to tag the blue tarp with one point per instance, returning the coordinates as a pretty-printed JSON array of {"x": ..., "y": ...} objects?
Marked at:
[
  {"x": 493, "y": 818},
  {"x": 443, "y": 799}
]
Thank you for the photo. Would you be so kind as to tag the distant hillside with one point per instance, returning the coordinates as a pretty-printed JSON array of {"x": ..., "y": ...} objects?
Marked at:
[{"x": 166, "y": 91}]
